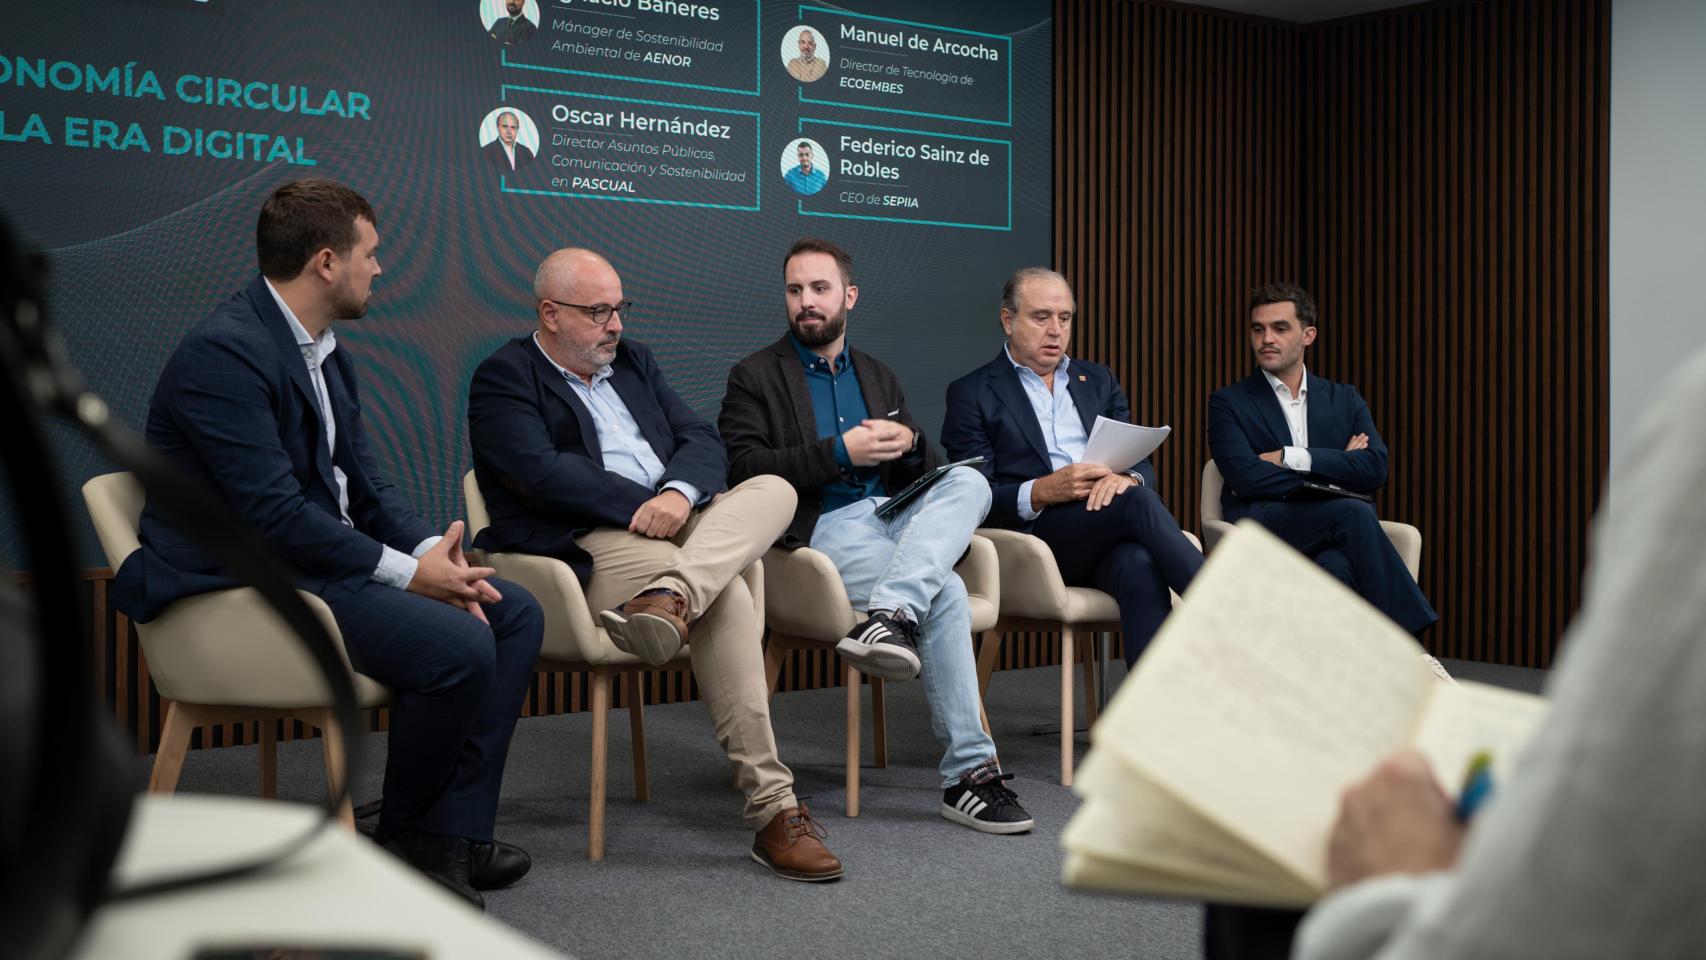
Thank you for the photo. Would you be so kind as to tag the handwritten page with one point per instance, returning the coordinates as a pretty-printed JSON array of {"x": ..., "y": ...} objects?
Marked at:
[
  {"x": 1466, "y": 718},
  {"x": 1119, "y": 446},
  {"x": 1268, "y": 690}
]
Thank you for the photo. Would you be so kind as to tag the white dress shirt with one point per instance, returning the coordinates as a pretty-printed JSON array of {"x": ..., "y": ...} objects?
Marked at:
[
  {"x": 626, "y": 450},
  {"x": 1297, "y": 417},
  {"x": 396, "y": 568}
]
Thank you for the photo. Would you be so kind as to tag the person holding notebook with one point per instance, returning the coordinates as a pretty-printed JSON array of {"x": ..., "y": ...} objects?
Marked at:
[
  {"x": 1282, "y": 437},
  {"x": 1029, "y": 413},
  {"x": 833, "y": 421}
]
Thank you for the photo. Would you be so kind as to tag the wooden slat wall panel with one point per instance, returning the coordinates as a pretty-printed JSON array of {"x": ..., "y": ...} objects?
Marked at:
[
  {"x": 1437, "y": 177},
  {"x": 1455, "y": 237},
  {"x": 1177, "y": 162}
]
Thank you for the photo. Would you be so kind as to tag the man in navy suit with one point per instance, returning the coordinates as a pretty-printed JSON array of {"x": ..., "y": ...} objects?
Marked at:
[
  {"x": 1028, "y": 413},
  {"x": 1282, "y": 426},
  {"x": 259, "y": 405},
  {"x": 585, "y": 454}
]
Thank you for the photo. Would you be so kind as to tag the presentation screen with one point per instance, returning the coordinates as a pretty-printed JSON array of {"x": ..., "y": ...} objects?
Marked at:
[{"x": 689, "y": 142}]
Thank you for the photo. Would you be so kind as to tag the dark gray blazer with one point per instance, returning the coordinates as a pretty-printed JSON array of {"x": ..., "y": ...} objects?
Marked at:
[{"x": 768, "y": 426}]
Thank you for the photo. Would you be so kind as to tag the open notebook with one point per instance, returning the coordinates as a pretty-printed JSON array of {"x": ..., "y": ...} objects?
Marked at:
[{"x": 1216, "y": 771}]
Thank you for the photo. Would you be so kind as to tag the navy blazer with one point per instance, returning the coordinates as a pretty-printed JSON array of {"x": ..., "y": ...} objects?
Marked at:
[
  {"x": 990, "y": 416},
  {"x": 1245, "y": 420},
  {"x": 537, "y": 458},
  {"x": 235, "y": 410}
]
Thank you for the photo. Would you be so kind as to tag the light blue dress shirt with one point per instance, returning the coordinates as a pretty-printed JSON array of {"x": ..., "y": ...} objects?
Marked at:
[
  {"x": 626, "y": 450},
  {"x": 1057, "y": 415}
]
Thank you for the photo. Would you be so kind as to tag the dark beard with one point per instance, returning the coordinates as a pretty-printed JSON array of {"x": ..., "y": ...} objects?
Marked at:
[
  {"x": 823, "y": 335},
  {"x": 351, "y": 309}
]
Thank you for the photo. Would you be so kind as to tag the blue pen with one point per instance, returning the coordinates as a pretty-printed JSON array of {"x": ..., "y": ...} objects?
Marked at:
[{"x": 1477, "y": 786}]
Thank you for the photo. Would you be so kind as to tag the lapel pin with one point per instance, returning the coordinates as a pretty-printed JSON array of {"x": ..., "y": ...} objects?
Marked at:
[{"x": 1082, "y": 378}]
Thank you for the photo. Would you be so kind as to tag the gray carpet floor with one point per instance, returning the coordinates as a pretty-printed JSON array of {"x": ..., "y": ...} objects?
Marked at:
[{"x": 677, "y": 881}]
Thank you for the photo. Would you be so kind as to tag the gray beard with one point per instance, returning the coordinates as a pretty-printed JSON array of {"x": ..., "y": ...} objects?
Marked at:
[{"x": 592, "y": 357}]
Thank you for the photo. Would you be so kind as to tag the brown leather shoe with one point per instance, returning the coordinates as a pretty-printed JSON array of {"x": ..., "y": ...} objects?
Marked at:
[
  {"x": 791, "y": 845},
  {"x": 652, "y": 626}
]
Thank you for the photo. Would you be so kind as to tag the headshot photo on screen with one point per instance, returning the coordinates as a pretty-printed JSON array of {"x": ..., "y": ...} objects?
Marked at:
[
  {"x": 509, "y": 139},
  {"x": 510, "y": 22},
  {"x": 805, "y": 54},
  {"x": 805, "y": 166}
]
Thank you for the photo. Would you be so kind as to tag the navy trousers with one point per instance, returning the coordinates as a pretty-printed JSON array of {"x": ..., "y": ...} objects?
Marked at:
[
  {"x": 459, "y": 686},
  {"x": 1344, "y": 536},
  {"x": 1131, "y": 549}
]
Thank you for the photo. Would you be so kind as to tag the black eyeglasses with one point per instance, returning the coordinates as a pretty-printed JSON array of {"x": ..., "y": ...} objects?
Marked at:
[{"x": 598, "y": 313}]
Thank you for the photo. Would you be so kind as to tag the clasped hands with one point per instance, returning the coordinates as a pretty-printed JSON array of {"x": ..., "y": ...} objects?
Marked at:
[
  {"x": 662, "y": 516},
  {"x": 877, "y": 441},
  {"x": 443, "y": 573},
  {"x": 1277, "y": 457},
  {"x": 1093, "y": 483}
]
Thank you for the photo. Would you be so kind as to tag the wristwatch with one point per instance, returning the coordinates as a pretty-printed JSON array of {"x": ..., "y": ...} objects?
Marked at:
[{"x": 1136, "y": 477}]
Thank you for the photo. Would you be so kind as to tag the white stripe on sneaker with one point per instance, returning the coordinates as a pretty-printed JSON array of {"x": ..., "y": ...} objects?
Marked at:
[{"x": 875, "y": 633}]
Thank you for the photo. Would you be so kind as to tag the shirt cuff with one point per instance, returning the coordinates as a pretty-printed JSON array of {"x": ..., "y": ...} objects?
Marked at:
[
  {"x": 1298, "y": 458},
  {"x": 396, "y": 568},
  {"x": 687, "y": 490},
  {"x": 842, "y": 459},
  {"x": 1024, "y": 505}
]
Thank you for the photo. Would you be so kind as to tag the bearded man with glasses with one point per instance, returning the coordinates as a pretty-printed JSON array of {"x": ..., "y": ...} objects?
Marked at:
[{"x": 584, "y": 453}]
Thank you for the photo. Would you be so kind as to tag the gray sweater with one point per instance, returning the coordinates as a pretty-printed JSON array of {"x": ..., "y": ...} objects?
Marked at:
[{"x": 1596, "y": 848}]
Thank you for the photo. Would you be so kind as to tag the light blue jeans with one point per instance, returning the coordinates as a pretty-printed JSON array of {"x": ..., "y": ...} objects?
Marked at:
[{"x": 906, "y": 563}]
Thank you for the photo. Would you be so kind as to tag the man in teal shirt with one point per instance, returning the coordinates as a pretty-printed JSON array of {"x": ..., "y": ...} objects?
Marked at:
[{"x": 806, "y": 179}]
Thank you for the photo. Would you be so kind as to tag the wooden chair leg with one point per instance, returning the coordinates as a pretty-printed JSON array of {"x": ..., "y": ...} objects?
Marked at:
[
  {"x": 850, "y": 679},
  {"x": 988, "y": 652},
  {"x": 1067, "y": 663},
  {"x": 175, "y": 733},
  {"x": 269, "y": 759},
  {"x": 332, "y": 746},
  {"x": 983, "y": 718},
  {"x": 1091, "y": 656},
  {"x": 637, "y": 732},
  {"x": 775, "y": 652},
  {"x": 600, "y": 681},
  {"x": 879, "y": 724}
]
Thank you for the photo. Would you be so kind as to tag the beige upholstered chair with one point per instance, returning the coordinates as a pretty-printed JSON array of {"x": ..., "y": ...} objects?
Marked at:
[
  {"x": 575, "y": 642},
  {"x": 808, "y": 609},
  {"x": 224, "y": 657},
  {"x": 1407, "y": 540},
  {"x": 1035, "y": 597}
]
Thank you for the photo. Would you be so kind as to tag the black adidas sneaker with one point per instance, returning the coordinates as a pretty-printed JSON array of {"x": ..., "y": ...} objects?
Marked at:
[
  {"x": 986, "y": 805},
  {"x": 883, "y": 646}
]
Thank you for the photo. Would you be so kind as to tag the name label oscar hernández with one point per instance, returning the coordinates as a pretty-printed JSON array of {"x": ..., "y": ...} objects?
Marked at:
[
  {"x": 684, "y": 42},
  {"x": 614, "y": 148},
  {"x": 916, "y": 176},
  {"x": 904, "y": 67}
]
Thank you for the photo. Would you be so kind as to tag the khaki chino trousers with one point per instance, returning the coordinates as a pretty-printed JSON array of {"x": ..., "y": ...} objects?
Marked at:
[{"x": 703, "y": 563}]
